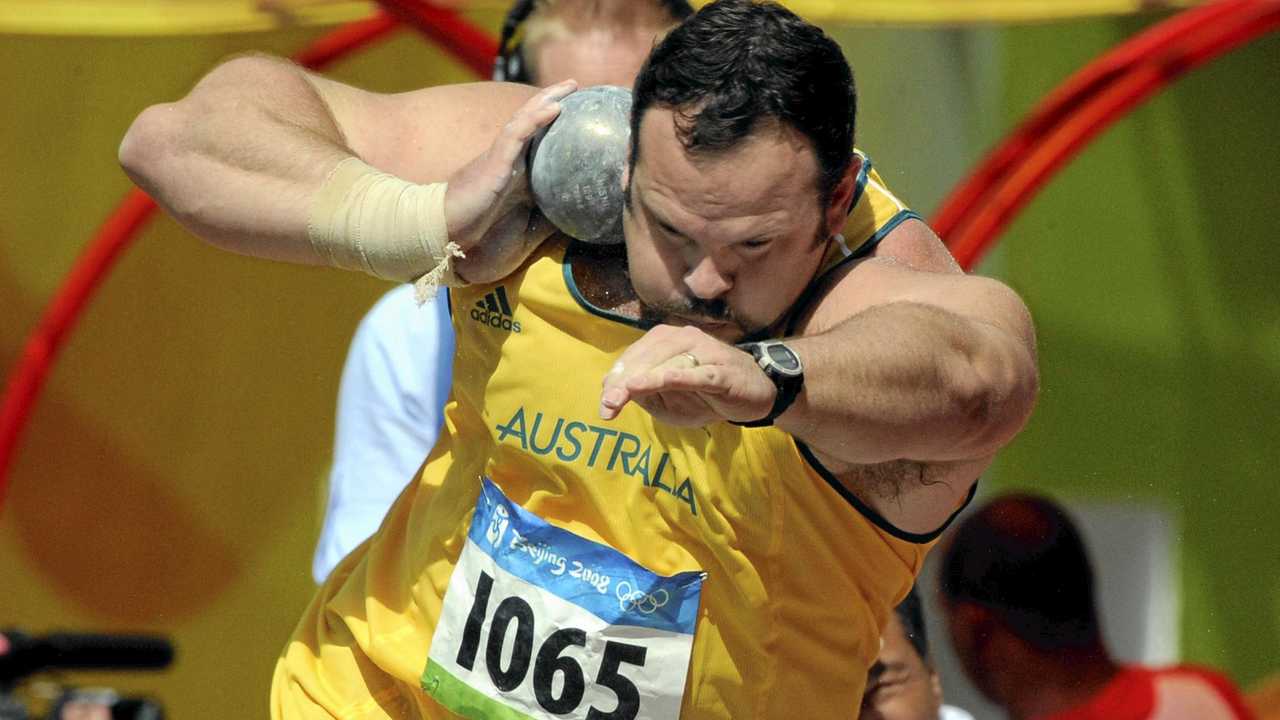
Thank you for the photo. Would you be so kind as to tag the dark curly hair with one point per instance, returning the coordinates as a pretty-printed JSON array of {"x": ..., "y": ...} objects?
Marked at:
[{"x": 737, "y": 62}]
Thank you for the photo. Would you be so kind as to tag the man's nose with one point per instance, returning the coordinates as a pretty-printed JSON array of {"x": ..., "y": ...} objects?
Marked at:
[{"x": 706, "y": 281}]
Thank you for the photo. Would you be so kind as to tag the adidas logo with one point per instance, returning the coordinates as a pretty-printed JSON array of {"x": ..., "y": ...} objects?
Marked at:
[{"x": 494, "y": 310}]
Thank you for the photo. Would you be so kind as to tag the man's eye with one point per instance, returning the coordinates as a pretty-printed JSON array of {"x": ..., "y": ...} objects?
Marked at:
[{"x": 670, "y": 236}]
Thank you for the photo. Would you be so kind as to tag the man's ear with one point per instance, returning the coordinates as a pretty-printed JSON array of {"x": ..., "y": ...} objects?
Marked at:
[{"x": 842, "y": 197}]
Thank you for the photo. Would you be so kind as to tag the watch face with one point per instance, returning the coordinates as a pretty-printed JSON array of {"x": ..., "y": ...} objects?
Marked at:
[{"x": 783, "y": 358}]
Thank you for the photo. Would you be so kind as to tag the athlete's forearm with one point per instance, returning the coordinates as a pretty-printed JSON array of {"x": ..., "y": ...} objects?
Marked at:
[
  {"x": 239, "y": 159},
  {"x": 912, "y": 381}
]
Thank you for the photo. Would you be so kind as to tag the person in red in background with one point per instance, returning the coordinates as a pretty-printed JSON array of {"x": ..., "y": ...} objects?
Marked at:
[{"x": 1017, "y": 588}]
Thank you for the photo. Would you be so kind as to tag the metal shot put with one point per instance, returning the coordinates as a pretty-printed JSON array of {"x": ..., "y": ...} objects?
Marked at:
[{"x": 576, "y": 164}]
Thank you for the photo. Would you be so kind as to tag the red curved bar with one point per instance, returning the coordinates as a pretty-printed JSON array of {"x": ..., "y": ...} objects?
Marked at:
[
  {"x": 26, "y": 379},
  {"x": 1060, "y": 103},
  {"x": 989, "y": 212},
  {"x": 42, "y": 346},
  {"x": 474, "y": 47},
  {"x": 345, "y": 40}
]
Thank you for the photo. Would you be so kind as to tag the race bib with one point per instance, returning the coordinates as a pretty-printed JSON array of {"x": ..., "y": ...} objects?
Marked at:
[{"x": 541, "y": 623}]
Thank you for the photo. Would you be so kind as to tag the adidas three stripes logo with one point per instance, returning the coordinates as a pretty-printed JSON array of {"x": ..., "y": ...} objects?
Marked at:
[{"x": 495, "y": 311}]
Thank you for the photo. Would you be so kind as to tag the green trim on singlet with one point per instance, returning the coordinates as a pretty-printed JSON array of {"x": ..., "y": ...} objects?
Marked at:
[
  {"x": 872, "y": 242},
  {"x": 870, "y": 513},
  {"x": 860, "y": 185}
]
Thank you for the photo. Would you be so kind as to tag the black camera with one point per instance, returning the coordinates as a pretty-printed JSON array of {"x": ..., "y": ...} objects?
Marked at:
[{"x": 22, "y": 656}]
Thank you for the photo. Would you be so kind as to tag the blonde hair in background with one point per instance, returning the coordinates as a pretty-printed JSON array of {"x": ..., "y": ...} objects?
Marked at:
[{"x": 635, "y": 20}]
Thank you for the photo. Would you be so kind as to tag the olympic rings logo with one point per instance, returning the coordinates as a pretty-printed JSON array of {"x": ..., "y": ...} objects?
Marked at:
[{"x": 630, "y": 599}]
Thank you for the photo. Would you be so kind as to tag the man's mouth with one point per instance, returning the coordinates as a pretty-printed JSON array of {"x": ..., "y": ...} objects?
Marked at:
[
  {"x": 725, "y": 330},
  {"x": 701, "y": 321}
]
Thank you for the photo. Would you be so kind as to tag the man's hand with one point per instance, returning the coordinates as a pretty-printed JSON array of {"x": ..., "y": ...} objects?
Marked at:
[
  {"x": 683, "y": 376},
  {"x": 489, "y": 207}
]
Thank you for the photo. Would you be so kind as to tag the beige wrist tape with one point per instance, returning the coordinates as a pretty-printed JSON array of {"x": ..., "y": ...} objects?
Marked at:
[{"x": 367, "y": 220}]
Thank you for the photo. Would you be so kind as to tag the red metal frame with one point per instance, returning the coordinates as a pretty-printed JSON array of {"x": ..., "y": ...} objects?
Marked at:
[{"x": 983, "y": 204}]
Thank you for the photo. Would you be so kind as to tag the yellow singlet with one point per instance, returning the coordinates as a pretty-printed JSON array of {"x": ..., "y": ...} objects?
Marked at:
[{"x": 609, "y": 569}]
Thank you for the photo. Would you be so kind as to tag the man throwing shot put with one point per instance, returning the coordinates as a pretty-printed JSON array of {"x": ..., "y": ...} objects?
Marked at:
[{"x": 691, "y": 478}]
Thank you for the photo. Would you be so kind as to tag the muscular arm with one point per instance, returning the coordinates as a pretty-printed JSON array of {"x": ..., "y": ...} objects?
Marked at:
[
  {"x": 907, "y": 358},
  {"x": 914, "y": 373},
  {"x": 239, "y": 159}
]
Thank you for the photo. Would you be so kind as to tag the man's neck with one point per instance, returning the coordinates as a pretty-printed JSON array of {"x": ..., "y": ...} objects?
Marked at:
[
  {"x": 1052, "y": 684},
  {"x": 600, "y": 272}
]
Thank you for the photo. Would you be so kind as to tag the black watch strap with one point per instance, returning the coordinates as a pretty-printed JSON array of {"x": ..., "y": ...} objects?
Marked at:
[
  {"x": 788, "y": 390},
  {"x": 787, "y": 394}
]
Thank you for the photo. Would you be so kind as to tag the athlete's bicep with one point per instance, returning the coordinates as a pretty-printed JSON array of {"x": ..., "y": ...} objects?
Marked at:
[{"x": 424, "y": 135}]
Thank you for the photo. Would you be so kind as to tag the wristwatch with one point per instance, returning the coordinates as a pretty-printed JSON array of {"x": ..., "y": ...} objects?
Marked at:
[{"x": 782, "y": 366}]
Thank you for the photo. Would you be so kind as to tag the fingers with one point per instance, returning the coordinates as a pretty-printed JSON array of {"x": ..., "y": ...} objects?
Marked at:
[
  {"x": 675, "y": 393},
  {"x": 663, "y": 344},
  {"x": 678, "y": 409},
  {"x": 627, "y": 382},
  {"x": 488, "y": 208},
  {"x": 614, "y": 395},
  {"x": 661, "y": 347},
  {"x": 537, "y": 112},
  {"x": 667, "y": 378},
  {"x": 682, "y": 376}
]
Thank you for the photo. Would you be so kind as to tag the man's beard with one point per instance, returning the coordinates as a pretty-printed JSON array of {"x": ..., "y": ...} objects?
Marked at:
[{"x": 698, "y": 312}]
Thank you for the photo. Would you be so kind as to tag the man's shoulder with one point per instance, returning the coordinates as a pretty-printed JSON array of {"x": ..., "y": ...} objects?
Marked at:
[
  {"x": 874, "y": 213},
  {"x": 1181, "y": 692}
]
